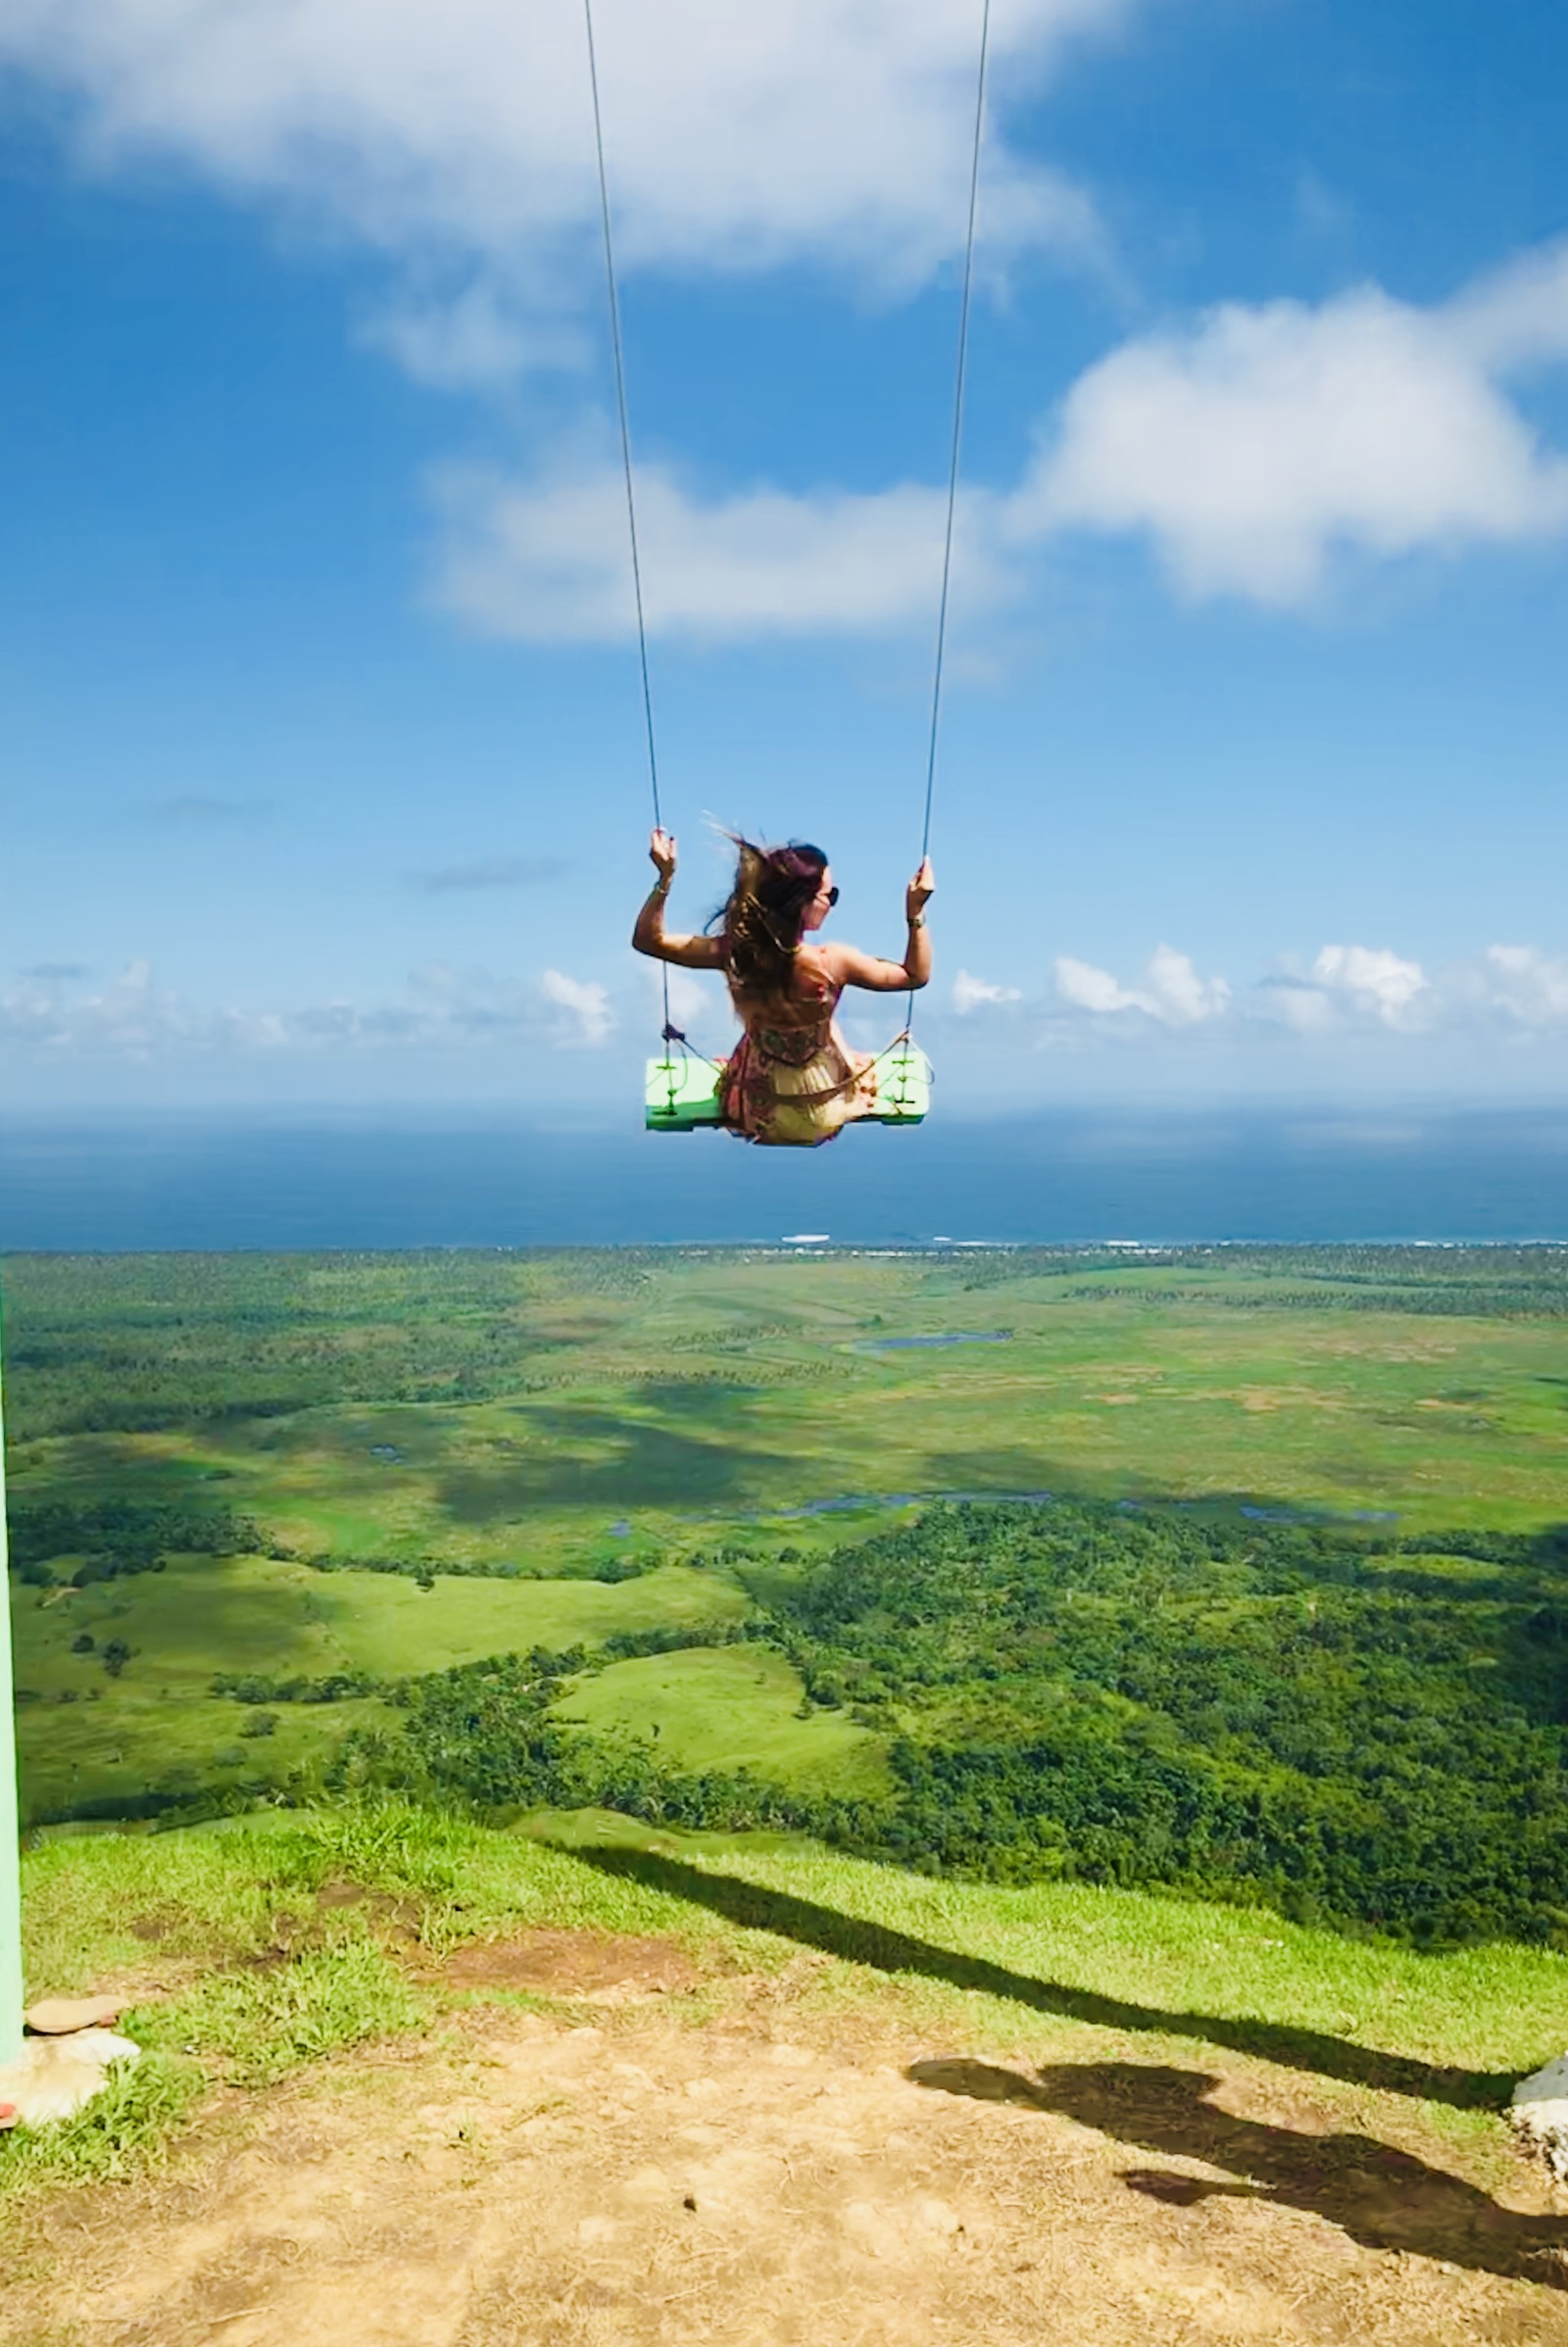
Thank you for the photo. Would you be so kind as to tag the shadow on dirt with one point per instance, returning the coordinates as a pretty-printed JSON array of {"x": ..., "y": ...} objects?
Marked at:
[
  {"x": 845, "y": 1935},
  {"x": 1382, "y": 2198}
]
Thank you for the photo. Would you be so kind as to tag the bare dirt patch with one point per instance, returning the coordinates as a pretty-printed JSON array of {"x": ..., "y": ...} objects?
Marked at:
[
  {"x": 593, "y": 1965},
  {"x": 783, "y": 2179}
]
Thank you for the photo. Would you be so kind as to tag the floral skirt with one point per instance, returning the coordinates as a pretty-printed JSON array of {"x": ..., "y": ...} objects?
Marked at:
[{"x": 783, "y": 1106}]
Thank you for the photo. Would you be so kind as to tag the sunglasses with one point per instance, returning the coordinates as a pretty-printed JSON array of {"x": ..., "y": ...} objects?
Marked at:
[{"x": 832, "y": 898}]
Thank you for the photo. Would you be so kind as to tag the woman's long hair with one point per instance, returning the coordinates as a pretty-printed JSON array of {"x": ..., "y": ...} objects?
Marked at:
[{"x": 762, "y": 922}]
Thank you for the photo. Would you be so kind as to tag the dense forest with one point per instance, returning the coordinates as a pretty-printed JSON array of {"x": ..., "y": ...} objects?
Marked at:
[
  {"x": 1345, "y": 1728},
  {"x": 109, "y": 1539},
  {"x": 1134, "y": 1696}
]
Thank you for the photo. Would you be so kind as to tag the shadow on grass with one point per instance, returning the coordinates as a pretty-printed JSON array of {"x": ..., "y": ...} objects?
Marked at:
[
  {"x": 1381, "y": 2197},
  {"x": 857, "y": 1942},
  {"x": 693, "y": 1453}
]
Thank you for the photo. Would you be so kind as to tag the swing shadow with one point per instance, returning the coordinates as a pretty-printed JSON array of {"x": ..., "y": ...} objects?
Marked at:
[
  {"x": 856, "y": 1941},
  {"x": 1380, "y": 2197}
]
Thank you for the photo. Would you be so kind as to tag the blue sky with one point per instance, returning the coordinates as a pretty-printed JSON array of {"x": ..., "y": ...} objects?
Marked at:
[{"x": 323, "y": 771}]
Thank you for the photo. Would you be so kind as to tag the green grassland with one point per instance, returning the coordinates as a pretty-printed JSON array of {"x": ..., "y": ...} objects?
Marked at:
[
  {"x": 557, "y": 1415},
  {"x": 732, "y": 1707},
  {"x": 491, "y": 1407},
  {"x": 85, "y": 1736}
]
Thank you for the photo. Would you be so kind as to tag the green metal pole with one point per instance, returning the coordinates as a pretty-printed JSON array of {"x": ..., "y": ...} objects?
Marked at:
[{"x": 10, "y": 1838}]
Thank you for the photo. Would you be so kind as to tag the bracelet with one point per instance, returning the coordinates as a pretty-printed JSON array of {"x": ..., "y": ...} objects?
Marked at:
[
  {"x": 662, "y": 888},
  {"x": 916, "y": 920}
]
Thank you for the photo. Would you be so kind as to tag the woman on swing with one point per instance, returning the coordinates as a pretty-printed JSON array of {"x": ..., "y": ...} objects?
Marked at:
[{"x": 791, "y": 1081}]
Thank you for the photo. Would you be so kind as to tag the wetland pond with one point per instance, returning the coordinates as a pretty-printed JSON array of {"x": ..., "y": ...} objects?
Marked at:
[{"x": 929, "y": 1343}]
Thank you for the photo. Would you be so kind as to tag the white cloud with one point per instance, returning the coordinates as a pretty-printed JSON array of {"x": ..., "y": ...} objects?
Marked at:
[
  {"x": 475, "y": 337},
  {"x": 585, "y": 1003},
  {"x": 970, "y": 993},
  {"x": 548, "y": 560},
  {"x": 50, "y": 1010},
  {"x": 739, "y": 135},
  {"x": 54, "y": 1014},
  {"x": 1353, "y": 984},
  {"x": 1174, "y": 994},
  {"x": 1254, "y": 443},
  {"x": 691, "y": 1002},
  {"x": 1387, "y": 984},
  {"x": 1517, "y": 316},
  {"x": 1184, "y": 999},
  {"x": 1522, "y": 986},
  {"x": 1087, "y": 988},
  {"x": 1510, "y": 998},
  {"x": 1252, "y": 448}
]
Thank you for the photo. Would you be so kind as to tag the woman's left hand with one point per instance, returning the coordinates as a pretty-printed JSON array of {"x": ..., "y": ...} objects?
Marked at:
[{"x": 921, "y": 889}]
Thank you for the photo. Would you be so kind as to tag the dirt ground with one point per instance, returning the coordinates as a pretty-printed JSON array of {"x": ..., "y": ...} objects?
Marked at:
[{"x": 781, "y": 2177}]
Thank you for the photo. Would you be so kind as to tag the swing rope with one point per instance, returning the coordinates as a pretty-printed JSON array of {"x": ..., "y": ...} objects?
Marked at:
[
  {"x": 670, "y": 1034},
  {"x": 961, "y": 379}
]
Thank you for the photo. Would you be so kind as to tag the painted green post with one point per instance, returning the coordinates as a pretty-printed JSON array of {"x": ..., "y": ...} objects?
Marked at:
[{"x": 10, "y": 1853}]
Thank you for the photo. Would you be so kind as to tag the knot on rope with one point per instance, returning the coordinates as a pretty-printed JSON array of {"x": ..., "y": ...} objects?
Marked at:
[{"x": 672, "y": 1034}]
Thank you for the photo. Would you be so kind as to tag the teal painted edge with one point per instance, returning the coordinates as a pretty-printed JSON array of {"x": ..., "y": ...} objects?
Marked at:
[{"x": 10, "y": 1824}]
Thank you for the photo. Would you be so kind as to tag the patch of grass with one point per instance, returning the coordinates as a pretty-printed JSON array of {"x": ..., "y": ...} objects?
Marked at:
[
  {"x": 127, "y": 2127},
  {"x": 259, "y": 2025},
  {"x": 1495, "y": 2009},
  {"x": 394, "y": 1628},
  {"x": 729, "y": 1708},
  {"x": 100, "y": 1909}
]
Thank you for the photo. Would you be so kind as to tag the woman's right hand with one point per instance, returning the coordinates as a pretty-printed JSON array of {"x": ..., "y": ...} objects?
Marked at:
[
  {"x": 921, "y": 889},
  {"x": 662, "y": 853}
]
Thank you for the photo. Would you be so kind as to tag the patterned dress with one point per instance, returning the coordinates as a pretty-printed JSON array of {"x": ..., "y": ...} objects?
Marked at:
[{"x": 792, "y": 1082}]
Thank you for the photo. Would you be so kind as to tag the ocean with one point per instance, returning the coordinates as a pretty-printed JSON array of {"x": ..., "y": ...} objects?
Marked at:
[{"x": 396, "y": 1179}]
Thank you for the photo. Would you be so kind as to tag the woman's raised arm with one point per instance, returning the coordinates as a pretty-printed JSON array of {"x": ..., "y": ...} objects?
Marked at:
[
  {"x": 649, "y": 935},
  {"x": 851, "y": 967}
]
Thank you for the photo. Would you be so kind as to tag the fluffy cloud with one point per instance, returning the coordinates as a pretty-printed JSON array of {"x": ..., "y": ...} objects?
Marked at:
[
  {"x": 51, "y": 1009},
  {"x": 1524, "y": 987},
  {"x": 53, "y": 1013},
  {"x": 548, "y": 561},
  {"x": 585, "y": 1003},
  {"x": 692, "y": 1002},
  {"x": 1354, "y": 984},
  {"x": 970, "y": 993},
  {"x": 741, "y": 136},
  {"x": 1173, "y": 994},
  {"x": 1252, "y": 445},
  {"x": 1251, "y": 449},
  {"x": 1509, "y": 997},
  {"x": 476, "y": 336}
]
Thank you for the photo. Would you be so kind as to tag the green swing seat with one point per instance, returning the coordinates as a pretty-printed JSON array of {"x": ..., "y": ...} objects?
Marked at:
[{"x": 682, "y": 1092}]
